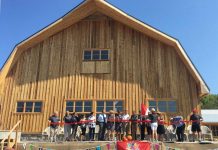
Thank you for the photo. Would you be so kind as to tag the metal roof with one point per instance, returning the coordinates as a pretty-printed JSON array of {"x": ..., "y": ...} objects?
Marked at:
[{"x": 210, "y": 115}]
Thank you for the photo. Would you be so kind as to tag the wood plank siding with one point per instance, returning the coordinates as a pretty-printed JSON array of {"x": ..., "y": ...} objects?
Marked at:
[{"x": 51, "y": 71}]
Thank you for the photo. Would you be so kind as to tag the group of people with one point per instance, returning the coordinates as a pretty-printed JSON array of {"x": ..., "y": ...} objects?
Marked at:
[{"x": 115, "y": 125}]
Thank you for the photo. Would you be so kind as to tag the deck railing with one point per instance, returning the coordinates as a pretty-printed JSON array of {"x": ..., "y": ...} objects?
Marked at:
[{"x": 8, "y": 136}]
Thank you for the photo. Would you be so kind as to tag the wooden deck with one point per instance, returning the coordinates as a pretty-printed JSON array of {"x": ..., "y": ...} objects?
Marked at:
[{"x": 92, "y": 145}]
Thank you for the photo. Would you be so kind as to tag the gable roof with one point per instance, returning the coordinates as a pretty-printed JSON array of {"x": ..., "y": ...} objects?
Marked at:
[{"x": 87, "y": 8}]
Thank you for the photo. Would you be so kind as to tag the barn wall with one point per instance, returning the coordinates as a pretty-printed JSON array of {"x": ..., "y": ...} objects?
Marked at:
[{"x": 141, "y": 68}]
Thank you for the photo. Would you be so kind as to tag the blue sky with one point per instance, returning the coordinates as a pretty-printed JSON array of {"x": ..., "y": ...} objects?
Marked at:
[{"x": 193, "y": 22}]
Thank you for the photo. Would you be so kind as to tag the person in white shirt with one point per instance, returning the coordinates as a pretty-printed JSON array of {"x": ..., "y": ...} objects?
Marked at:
[
  {"x": 125, "y": 119},
  {"x": 92, "y": 125},
  {"x": 102, "y": 120}
]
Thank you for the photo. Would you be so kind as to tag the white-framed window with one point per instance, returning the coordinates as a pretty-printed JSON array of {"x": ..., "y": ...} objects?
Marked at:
[
  {"x": 79, "y": 106},
  {"x": 96, "y": 55},
  {"x": 29, "y": 107},
  {"x": 163, "y": 105}
]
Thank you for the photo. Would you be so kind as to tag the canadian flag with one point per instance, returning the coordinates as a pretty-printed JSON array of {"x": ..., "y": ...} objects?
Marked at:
[{"x": 144, "y": 109}]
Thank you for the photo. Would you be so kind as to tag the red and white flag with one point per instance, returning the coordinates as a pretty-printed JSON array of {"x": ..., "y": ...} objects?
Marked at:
[{"x": 144, "y": 109}]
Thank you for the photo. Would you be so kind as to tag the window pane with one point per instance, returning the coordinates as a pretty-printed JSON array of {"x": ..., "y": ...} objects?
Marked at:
[
  {"x": 70, "y": 109},
  {"x": 78, "y": 106},
  {"x": 87, "y": 109},
  {"x": 20, "y": 109},
  {"x": 109, "y": 106},
  {"x": 162, "y": 106},
  {"x": 100, "y": 103},
  {"x": 118, "y": 105},
  {"x": 69, "y": 103},
  {"x": 96, "y": 55},
  {"x": 88, "y": 103},
  {"x": 104, "y": 55},
  {"x": 172, "y": 103},
  {"x": 172, "y": 107},
  {"x": 38, "y": 107},
  {"x": 109, "y": 103},
  {"x": 38, "y": 104},
  {"x": 119, "y": 108},
  {"x": 100, "y": 106},
  {"x": 87, "y": 106},
  {"x": 20, "y": 104},
  {"x": 70, "y": 106},
  {"x": 87, "y": 55},
  {"x": 152, "y": 104},
  {"x": 29, "y": 106},
  {"x": 78, "y": 109}
]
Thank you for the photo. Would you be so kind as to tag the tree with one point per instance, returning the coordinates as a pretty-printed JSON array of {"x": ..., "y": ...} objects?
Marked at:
[{"x": 210, "y": 102}]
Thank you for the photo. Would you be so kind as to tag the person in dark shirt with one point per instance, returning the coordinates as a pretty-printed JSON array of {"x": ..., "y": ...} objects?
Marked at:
[
  {"x": 67, "y": 126},
  {"x": 54, "y": 122},
  {"x": 83, "y": 127},
  {"x": 74, "y": 125},
  {"x": 196, "y": 124},
  {"x": 160, "y": 127},
  {"x": 134, "y": 119},
  {"x": 153, "y": 118},
  {"x": 142, "y": 125},
  {"x": 118, "y": 125},
  {"x": 148, "y": 126}
]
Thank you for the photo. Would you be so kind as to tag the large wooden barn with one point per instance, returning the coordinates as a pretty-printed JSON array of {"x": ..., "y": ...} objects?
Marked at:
[{"x": 95, "y": 57}]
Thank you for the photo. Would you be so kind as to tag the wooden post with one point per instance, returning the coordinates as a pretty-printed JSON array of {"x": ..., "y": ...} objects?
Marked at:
[
  {"x": 16, "y": 137},
  {"x": 2, "y": 146},
  {"x": 9, "y": 139}
]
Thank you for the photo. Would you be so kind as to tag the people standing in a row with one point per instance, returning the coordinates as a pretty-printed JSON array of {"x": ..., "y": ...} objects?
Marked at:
[
  {"x": 119, "y": 123},
  {"x": 70, "y": 126}
]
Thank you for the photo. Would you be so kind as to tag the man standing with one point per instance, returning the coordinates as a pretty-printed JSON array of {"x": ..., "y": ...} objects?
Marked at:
[
  {"x": 142, "y": 125},
  {"x": 67, "y": 126},
  {"x": 180, "y": 127},
  {"x": 74, "y": 120},
  {"x": 125, "y": 119},
  {"x": 102, "y": 120},
  {"x": 54, "y": 122},
  {"x": 92, "y": 125},
  {"x": 134, "y": 119},
  {"x": 196, "y": 127}
]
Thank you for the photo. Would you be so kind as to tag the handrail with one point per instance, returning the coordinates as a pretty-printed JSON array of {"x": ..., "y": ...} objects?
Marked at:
[{"x": 8, "y": 136}]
